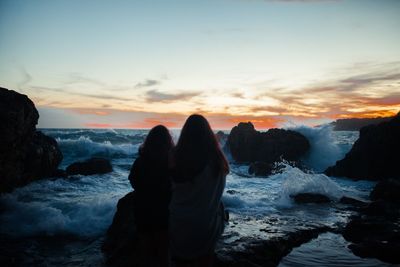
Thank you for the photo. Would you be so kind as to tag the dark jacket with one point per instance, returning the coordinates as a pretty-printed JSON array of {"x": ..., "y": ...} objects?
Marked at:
[{"x": 151, "y": 180}]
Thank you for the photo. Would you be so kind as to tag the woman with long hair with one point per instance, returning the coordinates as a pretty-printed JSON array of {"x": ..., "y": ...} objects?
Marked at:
[
  {"x": 198, "y": 181},
  {"x": 150, "y": 177}
]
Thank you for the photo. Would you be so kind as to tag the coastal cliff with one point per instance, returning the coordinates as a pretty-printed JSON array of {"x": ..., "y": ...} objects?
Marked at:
[{"x": 25, "y": 153}]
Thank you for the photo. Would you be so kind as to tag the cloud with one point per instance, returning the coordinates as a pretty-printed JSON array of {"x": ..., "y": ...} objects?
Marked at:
[
  {"x": 76, "y": 77},
  {"x": 147, "y": 83},
  {"x": 25, "y": 79},
  {"x": 157, "y": 96},
  {"x": 97, "y": 112}
]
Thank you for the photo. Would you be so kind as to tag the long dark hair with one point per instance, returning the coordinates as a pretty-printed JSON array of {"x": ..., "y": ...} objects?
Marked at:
[
  {"x": 158, "y": 144},
  {"x": 197, "y": 146}
]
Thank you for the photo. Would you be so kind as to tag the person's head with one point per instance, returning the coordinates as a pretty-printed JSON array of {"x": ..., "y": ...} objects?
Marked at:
[
  {"x": 197, "y": 146},
  {"x": 158, "y": 143}
]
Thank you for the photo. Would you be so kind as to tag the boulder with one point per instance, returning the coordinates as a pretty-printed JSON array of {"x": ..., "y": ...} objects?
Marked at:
[
  {"x": 388, "y": 190},
  {"x": 311, "y": 198},
  {"x": 90, "y": 166},
  {"x": 374, "y": 156},
  {"x": 248, "y": 145},
  {"x": 25, "y": 154},
  {"x": 374, "y": 237},
  {"x": 120, "y": 243},
  {"x": 353, "y": 202},
  {"x": 261, "y": 168}
]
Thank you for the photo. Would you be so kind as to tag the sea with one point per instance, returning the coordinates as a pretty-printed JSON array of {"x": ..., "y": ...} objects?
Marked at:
[{"x": 63, "y": 221}]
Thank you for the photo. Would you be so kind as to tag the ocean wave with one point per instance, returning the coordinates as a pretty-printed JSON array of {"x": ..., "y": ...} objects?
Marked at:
[
  {"x": 85, "y": 147},
  {"x": 325, "y": 150},
  {"x": 295, "y": 181},
  {"x": 85, "y": 218}
]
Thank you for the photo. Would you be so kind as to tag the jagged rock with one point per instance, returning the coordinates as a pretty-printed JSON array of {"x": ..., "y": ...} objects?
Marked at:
[
  {"x": 388, "y": 190},
  {"x": 382, "y": 208},
  {"x": 119, "y": 245},
  {"x": 311, "y": 198},
  {"x": 374, "y": 237},
  {"x": 25, "y": 155},
  {"x": 248, "y": 145},
  {"x": 353, "y": 201},
  {"x": 355, "y": 124},
  {"x": 121, "y": 248},
  {"x": 261, "y": 168},
  {"x": 90, "y": 166},
  {"x": 264, "y": 252},
  {"x": 374, "y": 156}
]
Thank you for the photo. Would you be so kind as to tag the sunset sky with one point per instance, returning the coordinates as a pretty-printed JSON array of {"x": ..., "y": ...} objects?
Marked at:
[{"x": 135, "y": 64}]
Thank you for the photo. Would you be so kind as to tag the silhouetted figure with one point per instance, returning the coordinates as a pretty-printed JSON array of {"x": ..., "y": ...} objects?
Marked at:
[
  {"x": 198, "y": 181},
  {"x": 150, "y": 177}
]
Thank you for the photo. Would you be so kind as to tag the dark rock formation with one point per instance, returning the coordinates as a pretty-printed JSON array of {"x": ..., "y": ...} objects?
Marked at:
[
  {"x": 248, "y": 145},
  {"x": 374, "y": 237},
  {"x": 264, "y": 252},
  {"x": 25, "y": 154},
  {"x": 119, "y": 245},
  {"x": 374, "y": 156},
  {"x": 261, "y": 168},
  {"x": 310, "y": 198},
  {"x": 355, "y": 124},
  {"x": 376, "y": 231},
  {"x": 388, "y": 190},
  {"x": 353, "y": 202},
  {"x": 121, "y": 249},
  {"x": 90, "y": 166}
]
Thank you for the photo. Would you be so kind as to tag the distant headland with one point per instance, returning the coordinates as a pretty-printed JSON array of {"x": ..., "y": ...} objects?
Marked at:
[{"x": 355, "y": 124}]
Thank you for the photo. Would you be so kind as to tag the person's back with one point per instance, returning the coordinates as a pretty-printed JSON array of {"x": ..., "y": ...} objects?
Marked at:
[
  {"x": 196, "y": 213},
  {"x": 150, "y": 178}
]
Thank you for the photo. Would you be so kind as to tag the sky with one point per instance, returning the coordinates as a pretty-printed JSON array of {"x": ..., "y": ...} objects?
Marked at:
[{"x": 136, "y": 64}]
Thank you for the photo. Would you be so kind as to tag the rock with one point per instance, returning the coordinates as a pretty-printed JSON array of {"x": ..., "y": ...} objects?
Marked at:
[
  {"x": 121, "y": 249},
  {"x": 388, "y": 190},
  {"x": 59, "y": 173},
  {"x": 25, "y": 155},
  {"x": 90, "y": 166},
  {"x": 374, "y": 237},
  {"x": 382, "y": 208},
  {"x": 310, "y": 198},
  {"x": 119, "y": 245},
  {"x": 355, "y": 124},
  {"x": 261, "y": 168},
  {"x": 374, "y": 156},
  {"x": 263, "y": 252},
  {"x": 248, "y": 145},
  {"x": 353, "y": 201},
  {"x": 43, "y": 156}
]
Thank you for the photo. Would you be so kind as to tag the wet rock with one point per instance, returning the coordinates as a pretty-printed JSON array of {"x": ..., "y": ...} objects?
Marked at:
[
  {"x": 248, "y": 145},
  {"x": 374, "y": 237},
  {"x": 263, "y": 252},
  {"x": 231, "y": 192},
  {"x": 382, "y": 208},
  {"x": 374, "y": 156},
  {"x": 353, "y": 202},
  {"x": 90, "y": 166},
  {"x": 261, "y": 168},
  {"x": 43, "y": 156},
  {"x": 388, "y": 190},
  {"x": 119, "y": 246},
  {"x": 25, "y": 154},
  {"x": 310, "y": 198}
]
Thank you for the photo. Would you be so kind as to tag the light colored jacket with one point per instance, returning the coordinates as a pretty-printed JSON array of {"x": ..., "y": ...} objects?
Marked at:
[{"x": 196, "y": 215}]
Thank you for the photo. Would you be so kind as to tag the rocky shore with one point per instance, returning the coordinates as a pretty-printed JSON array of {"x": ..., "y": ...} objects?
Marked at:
[{"x": 25, "y": 153}]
